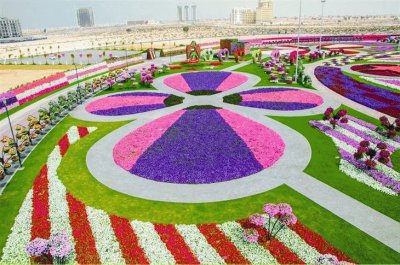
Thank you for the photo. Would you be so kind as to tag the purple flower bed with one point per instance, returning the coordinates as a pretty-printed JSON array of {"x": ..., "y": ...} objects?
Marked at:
[
  {"x": 368, "y": 95},
  {"x": 199, "y": 148},
  {"x": 205, "y": 80},
  {"x": 286, "y": 99},
  {"x": 128, "y": 110},
  {"x": 278, "y": 105}
]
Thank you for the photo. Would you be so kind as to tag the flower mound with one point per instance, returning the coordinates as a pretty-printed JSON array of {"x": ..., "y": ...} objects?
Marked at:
[
  {"x": 280, "y": 99},
  {"x": 373, "y": 97},
  {"x": 205, "y": 81},
  {"x": 127, "y": 103},
  {"x": 199, "y": 146},
  {"x": 392, "y": 70}
]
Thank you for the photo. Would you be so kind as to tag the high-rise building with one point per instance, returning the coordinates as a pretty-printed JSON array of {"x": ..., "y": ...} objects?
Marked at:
[
  {"x": 243, "y": 16},
  {"x": 186, "y": 13},
  {"x": 194, "y": 16},
  {"x": 10, "y": 28},
  {"x": 85, "y": 17},
  {"x": 180, "y": 14},
  {"x": 264, "y": 11}
]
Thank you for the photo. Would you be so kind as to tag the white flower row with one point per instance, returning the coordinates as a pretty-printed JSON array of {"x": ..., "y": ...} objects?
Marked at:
[
  {"x": 374, "y": 134},
  {"x": 149, "y": 240},
  {"x": 14, "y": 250},
  {"x": 381, "y": 167},
  {"x": 359, "y": 175},
  {"x": 58, "y": 206},
  {"x": 382, "y": 83},
  {"x": 254, "y": 253},
  {"x": 199, "y": 245},
  {"x": 106, "y": 243},
  {"x": 73, "y": 135}
]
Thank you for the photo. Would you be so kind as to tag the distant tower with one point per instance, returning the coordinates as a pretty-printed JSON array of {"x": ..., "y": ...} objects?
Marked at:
[
  {"x": 194, "y": 17},
  {"x": 264, "y": 11},
  {"x": 180, "y": 17},
  {"x": 186, "y": 12},
  {"x": 85, "y": 17}
]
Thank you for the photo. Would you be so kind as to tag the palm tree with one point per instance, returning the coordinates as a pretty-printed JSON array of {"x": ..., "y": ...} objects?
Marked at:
[
  {"x": 21, "y": 56},
  {"x": 45, "y": 57},
  {"x": 59, "y": 57},
  {"x": 58, "y": 49},
  {"x": 51, "y": 49},
  {"x": 72, "y": 58},
  {"x": 9, "y": 58},
  {"x": 88, "y": 56}
]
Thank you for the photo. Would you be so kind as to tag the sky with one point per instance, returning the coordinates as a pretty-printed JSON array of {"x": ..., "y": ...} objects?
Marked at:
[{"x": 62, "y": 13}]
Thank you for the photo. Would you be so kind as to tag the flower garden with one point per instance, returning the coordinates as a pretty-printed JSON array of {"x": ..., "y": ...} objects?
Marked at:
[{"x": 294, "y": 165}]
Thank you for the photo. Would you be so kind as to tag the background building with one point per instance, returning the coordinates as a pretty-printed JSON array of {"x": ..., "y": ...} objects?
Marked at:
[
  {"x": 85, "y": 17},
  {"x": 186, "y": 13},
  {"x": 194, "y": 15},
  {"x": 243, "y": 16},
  {"x": 264, "y": 11},
  {"x": 180, "y": 14},
  {"x": 10, "y": 28}
]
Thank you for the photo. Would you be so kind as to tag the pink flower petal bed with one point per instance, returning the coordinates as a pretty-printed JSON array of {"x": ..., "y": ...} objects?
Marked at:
[
  {"x": 288, "y": 99},
  {"x": 205, "y": 81},
  {"x": 127, "y": 103},
  {"x": 199, "y": 146}
]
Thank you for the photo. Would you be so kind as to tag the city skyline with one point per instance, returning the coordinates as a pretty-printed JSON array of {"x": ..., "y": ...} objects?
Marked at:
[{"x": 144, "y": 10}]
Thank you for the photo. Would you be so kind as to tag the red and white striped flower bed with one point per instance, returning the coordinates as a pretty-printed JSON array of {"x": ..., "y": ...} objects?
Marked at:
[
  {"x": 101, "y": 238},
  {"x": 347, "y": 138}
]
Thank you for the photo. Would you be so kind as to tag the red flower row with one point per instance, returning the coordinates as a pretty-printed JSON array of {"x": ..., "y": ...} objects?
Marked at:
[
  {"x": 40, "y": 204},
  {"x": 225, "y": 248},
  {"x": 176, "y": 244}
]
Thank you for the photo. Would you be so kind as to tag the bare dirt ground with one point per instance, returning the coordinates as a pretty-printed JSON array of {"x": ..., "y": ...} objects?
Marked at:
[{"x": 13, "y": 75}]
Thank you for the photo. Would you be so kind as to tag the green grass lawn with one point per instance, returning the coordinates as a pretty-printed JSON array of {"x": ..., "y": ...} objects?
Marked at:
[
  {"x": 324, "y": 166},
  {"x": 396, "y": 160}
]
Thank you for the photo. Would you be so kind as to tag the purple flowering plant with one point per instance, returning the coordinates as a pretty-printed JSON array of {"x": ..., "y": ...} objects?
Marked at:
[
  {"x": 387, "y": 128},
  {"x": 334, "y": 118},
  {"x": 37, "y": 247},
  {"x": 278, "y": 217},
  {"x": 380, "y": 153}
]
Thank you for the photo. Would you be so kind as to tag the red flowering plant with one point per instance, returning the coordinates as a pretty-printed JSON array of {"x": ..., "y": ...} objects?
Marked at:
[
  {"x": 387, "y": 128},
  {"x": 335, "y": 118},
  {"x": 263, "y": 228},
  {"x": 370, "y": 154}
]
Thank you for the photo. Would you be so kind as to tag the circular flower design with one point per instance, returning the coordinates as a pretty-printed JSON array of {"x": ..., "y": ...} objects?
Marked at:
[
  {"x": 128, "y": 103},
  {"x": 199, "y": 146},
  {"x": 205, "y": 81},
  {"x": 288, "y": 99}
]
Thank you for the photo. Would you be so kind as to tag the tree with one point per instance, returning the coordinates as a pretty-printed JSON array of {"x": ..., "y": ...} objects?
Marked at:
[
  {"x": 186, "y": 29},
  {"x": 129, "y": 30},
  {"x": 72, "y": 58},
  {"x": 9, "y": 58},
  {"x": 45, "y": 57},
  {"x": 88, "y": 56},
  {"x": 59, "y": 57}
]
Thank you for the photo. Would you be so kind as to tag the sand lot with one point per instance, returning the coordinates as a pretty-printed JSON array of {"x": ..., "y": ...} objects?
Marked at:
[{"x": 14, "y": 75}]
